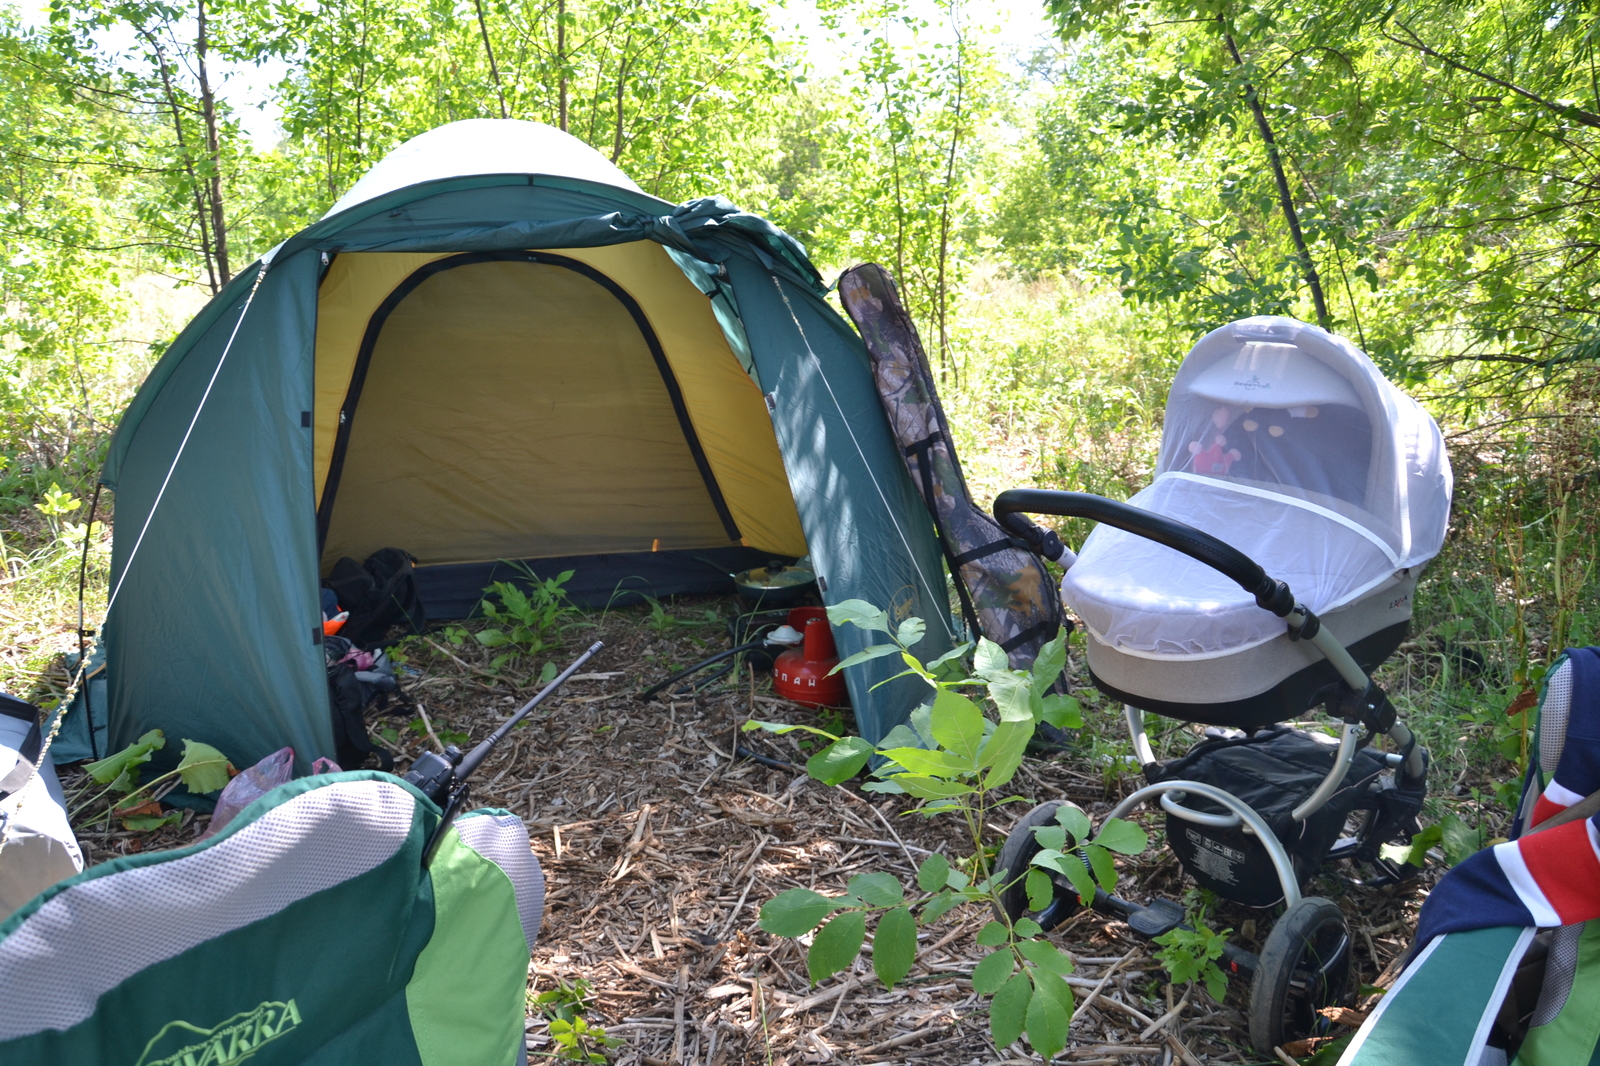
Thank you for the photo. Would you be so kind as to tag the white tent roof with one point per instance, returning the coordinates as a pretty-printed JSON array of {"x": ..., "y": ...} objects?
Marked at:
[{"x": 484, "y": 146}]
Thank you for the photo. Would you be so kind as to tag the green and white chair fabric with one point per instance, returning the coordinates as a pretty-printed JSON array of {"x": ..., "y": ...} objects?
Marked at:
[
  {"x": 37, "y": 847},
  {"x": 308, "y": 931}
]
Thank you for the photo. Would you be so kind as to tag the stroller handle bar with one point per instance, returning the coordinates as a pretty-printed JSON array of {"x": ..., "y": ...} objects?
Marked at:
[{"x": 1270, "y": 593}]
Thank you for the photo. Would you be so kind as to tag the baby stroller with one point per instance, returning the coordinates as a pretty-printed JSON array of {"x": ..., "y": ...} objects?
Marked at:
[{"x": 1287, "y": 463}]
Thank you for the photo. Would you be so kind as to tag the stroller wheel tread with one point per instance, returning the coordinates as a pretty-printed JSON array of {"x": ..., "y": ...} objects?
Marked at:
[{"x": 1304, "y": 966}]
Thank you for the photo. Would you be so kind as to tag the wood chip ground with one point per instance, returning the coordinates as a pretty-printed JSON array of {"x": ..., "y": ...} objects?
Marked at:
[{"x": 659, "y": 846}]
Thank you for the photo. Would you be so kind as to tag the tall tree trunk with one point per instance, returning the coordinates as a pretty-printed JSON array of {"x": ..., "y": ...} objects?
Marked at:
[
  {"x": 946, "y": 360},
  {"x": 622, "y": 81},
  {"x": 208, "y": 108},
  {"x": 1308, "y": 267},
  {"x": 195, "y": 186},
  {"x": 561, "y": 61},
  {"x": 899, "y": 193},
  {"x": 494, "y": 71},
  {"x": 361, "y": 86}
]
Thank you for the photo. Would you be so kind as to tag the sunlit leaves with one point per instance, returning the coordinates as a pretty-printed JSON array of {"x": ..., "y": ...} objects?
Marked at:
[
  {"x": 121, "y": 770},
  {"x": 1051, "y": 660},
  {"x": 1002, "y": 752},
  {"x": 1122, "y": 836},
  {"x": 910, "y": 632},
  {"x": 203, "y": 768},
  {"x": 957, "y": 724},
  {"x": 861, "y": 614},
  {"x": 989, "y": 661},
  {"x": 923, "y": 761},
  {"x": 865, "y": 655}
]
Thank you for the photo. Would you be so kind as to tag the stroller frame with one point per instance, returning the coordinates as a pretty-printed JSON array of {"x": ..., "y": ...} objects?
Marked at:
[{"x": 1304, "y": 961}]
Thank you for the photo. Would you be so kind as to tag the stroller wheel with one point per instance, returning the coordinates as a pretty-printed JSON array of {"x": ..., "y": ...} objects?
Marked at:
[
  {"x": 1016, "y": 859},
  {"x": 1305, "y": 966}
]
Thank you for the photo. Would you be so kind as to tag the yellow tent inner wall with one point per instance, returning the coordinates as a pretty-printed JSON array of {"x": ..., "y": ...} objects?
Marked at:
[{"x": 514, "y": 410}]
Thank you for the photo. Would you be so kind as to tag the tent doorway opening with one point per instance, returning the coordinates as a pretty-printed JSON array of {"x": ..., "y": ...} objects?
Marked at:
[{"x": 487, "y": 407}]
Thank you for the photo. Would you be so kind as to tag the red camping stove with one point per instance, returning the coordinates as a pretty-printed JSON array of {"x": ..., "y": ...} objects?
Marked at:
[{"x": 801, "y": 673}]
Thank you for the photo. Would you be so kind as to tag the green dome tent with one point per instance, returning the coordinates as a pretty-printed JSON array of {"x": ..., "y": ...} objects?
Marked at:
[{"x": 494, "y": 348}]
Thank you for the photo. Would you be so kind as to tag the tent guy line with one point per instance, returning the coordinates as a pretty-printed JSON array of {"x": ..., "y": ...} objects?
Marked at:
[{"x": 184, "y": 443}]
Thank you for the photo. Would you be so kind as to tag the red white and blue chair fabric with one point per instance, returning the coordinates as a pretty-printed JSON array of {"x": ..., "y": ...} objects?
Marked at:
[{"x": 1516, "y": 917}]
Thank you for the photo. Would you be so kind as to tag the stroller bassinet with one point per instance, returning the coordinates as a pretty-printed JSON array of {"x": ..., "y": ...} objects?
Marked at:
[
  {"x": 1268, "y": 568},
  {"x": 1287, "y": 443}
]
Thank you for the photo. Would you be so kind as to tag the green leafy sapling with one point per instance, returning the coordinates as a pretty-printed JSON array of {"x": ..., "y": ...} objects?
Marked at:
[
  {"x": 575, "y": 1040},
  {"x": 1190, "y": 952},
  {"x": 523, "y": 622},
  {"x": 953, "y": 755}
]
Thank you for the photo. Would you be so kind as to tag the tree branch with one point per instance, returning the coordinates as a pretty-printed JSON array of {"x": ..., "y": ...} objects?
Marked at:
[
  {"x": 1576, "y": 114},
  {"x": 488, "y": 48},
  {"x": 1285, "y": 198}
]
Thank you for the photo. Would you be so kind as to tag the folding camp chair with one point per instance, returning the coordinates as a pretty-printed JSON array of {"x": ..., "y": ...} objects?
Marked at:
[
  {"x": 1506, "y": 962},
  {"x": 308, "y": 931}
]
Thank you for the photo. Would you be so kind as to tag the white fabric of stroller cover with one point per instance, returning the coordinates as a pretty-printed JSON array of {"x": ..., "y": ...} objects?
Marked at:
[{"x": 1288, "y": 443}]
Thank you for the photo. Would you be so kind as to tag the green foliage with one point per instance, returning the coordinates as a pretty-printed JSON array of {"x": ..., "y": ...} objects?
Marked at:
[
  {"x": 1067, "y": 849},
  {"x": 203, "y": 769},
  {"x": 1190, "y": 952},
  {"x": 524, "y": 622},
  {"x": 952, "y": 755},
  {"x": 120, "y": 770},
  {"x": 797, "y": 911},
  {"x": 664, "y": 623},
  {"x": 565, "y": 1007},
  {"x": 1450, "y": 834},
  {"x": 1421, "y": 142},
  {"x": 836, "y": 945}
]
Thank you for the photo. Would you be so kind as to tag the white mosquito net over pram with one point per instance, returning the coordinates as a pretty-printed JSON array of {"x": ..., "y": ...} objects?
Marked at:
[{"x": 1286, "y": 442}]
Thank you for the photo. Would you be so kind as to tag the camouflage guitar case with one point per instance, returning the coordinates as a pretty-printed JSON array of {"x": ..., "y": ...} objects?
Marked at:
[{"x": 1006, "y": 593}]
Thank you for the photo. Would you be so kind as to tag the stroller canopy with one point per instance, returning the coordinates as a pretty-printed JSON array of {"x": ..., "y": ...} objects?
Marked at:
[{"x": 1288, "y": 443}]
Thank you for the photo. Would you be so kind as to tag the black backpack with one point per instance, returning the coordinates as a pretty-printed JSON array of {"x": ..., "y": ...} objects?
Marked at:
[
  {"x": 350, "y": 693},
  {"x": 379, "y": 594}
]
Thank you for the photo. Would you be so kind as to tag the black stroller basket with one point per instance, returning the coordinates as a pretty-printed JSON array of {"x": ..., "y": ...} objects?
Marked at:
[{"x": 1252, "y": 813}]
